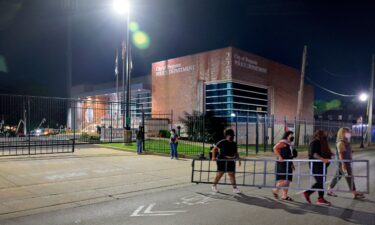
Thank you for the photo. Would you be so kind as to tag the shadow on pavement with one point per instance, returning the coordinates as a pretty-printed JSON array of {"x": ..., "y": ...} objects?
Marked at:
[{"x": 292, "y": 207}]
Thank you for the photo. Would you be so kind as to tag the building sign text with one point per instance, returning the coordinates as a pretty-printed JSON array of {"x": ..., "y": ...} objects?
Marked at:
[{"x": 245, "y": 62}]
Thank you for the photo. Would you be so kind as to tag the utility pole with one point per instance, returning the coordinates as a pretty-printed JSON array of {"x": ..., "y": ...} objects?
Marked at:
[
  {"x": 70, "y": 6},
  {"x": 300, "y": 96},
  {"x": 370, "y": 100}
]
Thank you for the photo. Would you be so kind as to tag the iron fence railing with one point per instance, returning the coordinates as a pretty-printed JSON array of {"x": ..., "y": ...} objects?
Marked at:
[{"x": 28, "y": 122}]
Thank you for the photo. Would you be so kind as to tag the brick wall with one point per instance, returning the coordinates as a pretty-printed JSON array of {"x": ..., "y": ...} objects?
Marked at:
[{"x": 175, "y": 81}]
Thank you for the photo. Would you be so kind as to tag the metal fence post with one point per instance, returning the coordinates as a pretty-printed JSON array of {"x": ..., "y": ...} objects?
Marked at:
[
  {"x": 144, "y": 130},
  {"x": 305, "y": 133},
  {"x": 247, "y": 134},
  {"x": 27, "y": 122},
  {"x": 171, "y": 119},
  {"x": 237, "y": 128},
  {"x": 273, "y": 130},
  {"x": 257, "y": 134},
  {"x": 74, "y": 124},
  {"x": 296, "y": 132},
  {"x": 110, "y": 107},
  {"x": 285, "y": 124},
  {"x": 203, "y": 131},
  {"x": 264, "y": 133}
]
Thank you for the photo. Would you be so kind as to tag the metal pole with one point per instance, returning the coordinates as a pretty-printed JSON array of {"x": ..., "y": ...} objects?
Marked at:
[
  {"x": 264, "y": 133},
  {"x": 257, "y": 134},
  {"x": 172, "y": 119},
  {"x": 305, "y": 131},
  {"x": 122, "y": 105},
  {"x": 247, "y": 134},
  {"x": 371, "y": 95},
  {"x": 110, "y": 105},
  {"x": 203, "y": 131},
  {"x": 128, "y": 91},
  {"x": 144, "y": 130},
  {"x": 361, "y": 146},
  {"x": 74, "y": 124},
  {"x": 70, "y": 6},
  {"x": 285, "y": 124},
  {"x": 273, "y": 131},
  {"x": 28, "y": 123},
  {"x": 117, "y": 90},
  {"x": 300, "y": 96},
  {"x": 236, "y": 128}
]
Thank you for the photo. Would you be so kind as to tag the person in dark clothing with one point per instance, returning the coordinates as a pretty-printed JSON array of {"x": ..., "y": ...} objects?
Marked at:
[
  {"x": 139, "y": 139},
  {"x": 319, "y": 149},
  {"x": 284, "y": 170},
  {"x": 226, "y": 154},
  {"x": 173, "y": 142}
]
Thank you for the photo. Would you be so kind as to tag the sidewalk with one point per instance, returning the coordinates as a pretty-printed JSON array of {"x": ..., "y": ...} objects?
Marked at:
[{"x": 36, "y": 184}]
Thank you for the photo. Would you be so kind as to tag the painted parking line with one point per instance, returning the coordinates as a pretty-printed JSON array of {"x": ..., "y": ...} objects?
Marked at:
[{"x": 148, "y": 211}]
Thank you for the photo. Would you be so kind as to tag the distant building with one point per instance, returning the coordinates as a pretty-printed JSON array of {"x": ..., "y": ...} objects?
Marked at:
[{"x": 98, "y": 105}]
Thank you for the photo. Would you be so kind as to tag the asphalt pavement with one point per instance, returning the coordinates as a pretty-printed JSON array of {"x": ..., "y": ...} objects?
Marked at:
[{"x": 196, "y": 204}]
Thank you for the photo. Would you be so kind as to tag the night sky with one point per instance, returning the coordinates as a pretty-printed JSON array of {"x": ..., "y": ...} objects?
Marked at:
[{"x": 340, "y": 36}]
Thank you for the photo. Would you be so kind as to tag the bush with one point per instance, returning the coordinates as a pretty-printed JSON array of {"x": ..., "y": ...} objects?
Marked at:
[
  {"x": 213, "y": 126},
  {"x": 89, "y": 137},
  {"x": 164, "y": 133}
]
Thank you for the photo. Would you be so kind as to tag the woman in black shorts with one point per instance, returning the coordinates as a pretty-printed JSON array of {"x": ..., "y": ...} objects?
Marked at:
[
  {"x": 226, "y": 163},
  {"x": 284, "y": 170}
]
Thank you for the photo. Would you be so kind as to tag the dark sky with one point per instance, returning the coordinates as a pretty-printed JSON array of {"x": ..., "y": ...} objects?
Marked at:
[{"x": 340, "y": 36}]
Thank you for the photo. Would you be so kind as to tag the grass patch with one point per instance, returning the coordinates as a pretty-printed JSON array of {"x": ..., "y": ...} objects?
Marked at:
[
  {"x": 188, "y": 148},
  {"x": 162, "y": 146}
]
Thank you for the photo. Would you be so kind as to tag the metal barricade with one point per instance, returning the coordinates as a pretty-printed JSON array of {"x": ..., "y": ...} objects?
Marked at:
[{"x": 261, "y": 173}]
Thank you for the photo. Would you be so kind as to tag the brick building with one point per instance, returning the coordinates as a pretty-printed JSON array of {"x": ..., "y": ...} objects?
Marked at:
[{"x": 227, "y": 81}]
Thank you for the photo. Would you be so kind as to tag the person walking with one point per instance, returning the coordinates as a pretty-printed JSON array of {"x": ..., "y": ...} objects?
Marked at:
[
  {"x": 139, "y": 139},
  {"x": 319, "y": 149},
  {"x": 225, "y": 153},
  {"x": 173, "y": 142},
  {"x": 344, "y": 152},
  {"x": 284, "y": 170}
]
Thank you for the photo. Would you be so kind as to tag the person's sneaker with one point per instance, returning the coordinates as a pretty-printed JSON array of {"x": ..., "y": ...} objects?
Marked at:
[
  {"x": 236, "y": 190},
  {"x": 307, "y": 197},
  {"x": 214, "y": 188},
  {"x": 331, "y": 193},
  {"x": 322, "y": 201},
  {"x": 358, "y": 195}
]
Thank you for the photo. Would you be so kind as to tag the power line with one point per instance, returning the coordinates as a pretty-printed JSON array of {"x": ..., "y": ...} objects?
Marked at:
[
  {"x": 328, "y": 90},
  {"x": 335, "y": 74}
]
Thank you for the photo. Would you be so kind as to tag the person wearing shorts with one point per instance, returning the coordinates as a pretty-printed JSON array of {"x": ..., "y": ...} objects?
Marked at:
[{"x": 225, "y": 153}]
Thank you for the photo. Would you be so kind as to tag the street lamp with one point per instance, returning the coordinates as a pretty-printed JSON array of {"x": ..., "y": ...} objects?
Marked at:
[
  {"x": 234, "y": 115},
  {"x": 363, "y": 97},
  {"x": 122, "y": 7}
]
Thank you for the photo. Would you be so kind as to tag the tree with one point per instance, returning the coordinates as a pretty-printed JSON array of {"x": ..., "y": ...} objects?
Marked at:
[{"x": 199, "y": 126}]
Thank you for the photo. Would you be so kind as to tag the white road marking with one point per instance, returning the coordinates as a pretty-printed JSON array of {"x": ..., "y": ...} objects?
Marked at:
[
  {"x": 108, "y": 170},
  {"x": 66, "y": 175},
  {"x": 135, "y": 213},
  {"x": 148, "y": 211},
  {"x": 194, "y": 200}
]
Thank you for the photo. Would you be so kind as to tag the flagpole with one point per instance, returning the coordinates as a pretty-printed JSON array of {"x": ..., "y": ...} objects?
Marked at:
[{"x": 117, "y": 93}]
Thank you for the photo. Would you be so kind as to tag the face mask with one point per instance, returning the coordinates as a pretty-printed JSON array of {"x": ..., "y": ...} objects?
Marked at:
[
  {"x": 348, "y": 135},
  {"x": 291, "y": 139}
]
